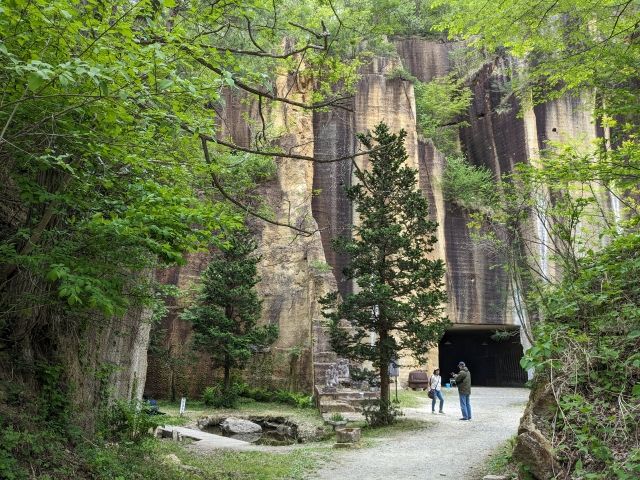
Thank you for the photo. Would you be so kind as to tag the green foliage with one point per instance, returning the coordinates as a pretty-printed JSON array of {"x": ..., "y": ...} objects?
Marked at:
[
  {"x": 102, "y": 109},
  {"x": 225, "y": 314},
  {"x": 209, "y": 395},
  {"x": 133, "y": 199},
  {"x": 360, "y": 374},
  {"x": 219, "y": 397},
  {"x": 441, "y": 105},
  {"x": 296, "y": 399},
  {"x": 379, "y": 413},
  {"x": 469, "y": 186},
  {"x": 35, "y": 429},
  {"x": 399, "y": 17},
  {"x": 588, "y": 347},
  {"x": 501, "y": 461},
  {"x": 53, "y": 401},
  {"x": 321, "y": 267},
  {"x": 127, "y": 421},
  {"x": 402, "y": 73},
  {"x": 400, "y": 293},
  {"x": 569, "y": 44},
  {"x": 24, "y": 450},
  {"x": 336, "y": 417}
]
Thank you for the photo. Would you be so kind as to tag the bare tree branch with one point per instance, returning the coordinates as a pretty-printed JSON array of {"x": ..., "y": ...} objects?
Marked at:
[
  {"x": 253, "y": 40},
  {"x": 319, "y": 36},
  {"x": 218, "y": 186},
  {"x": 286, "y": 155},
  {"x": 262, "y": 53},
  {"x": 271, "y": 96}
]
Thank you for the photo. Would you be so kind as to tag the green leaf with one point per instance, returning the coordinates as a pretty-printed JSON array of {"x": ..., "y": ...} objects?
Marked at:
[
  {"x": 104, "y": 88},
  {"x": 633, "y": 334},
  {"x": 35, "y": 81},
  {"x": 164, "y": 83}
]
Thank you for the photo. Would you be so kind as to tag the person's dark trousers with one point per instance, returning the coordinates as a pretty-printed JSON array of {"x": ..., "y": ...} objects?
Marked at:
[
  {"x": 465, "y": 406},
  {"x": 437, "y": 394}
]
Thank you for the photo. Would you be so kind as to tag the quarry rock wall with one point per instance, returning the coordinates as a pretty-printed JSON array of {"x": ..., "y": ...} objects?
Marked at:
[{"x": 297, "y": 270}]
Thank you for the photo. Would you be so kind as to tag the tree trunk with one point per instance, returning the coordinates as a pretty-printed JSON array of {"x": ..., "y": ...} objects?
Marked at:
[
  {"x": 385, "y": 359},
  {"x": 227, "y": 373},
  {"x": 384, "y": 384},
  {"x": 172, "y": 380}
]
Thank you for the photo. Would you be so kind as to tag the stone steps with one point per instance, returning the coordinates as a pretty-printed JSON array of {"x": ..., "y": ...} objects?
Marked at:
[
  {"x": 343, "y": 399},
  {"x": 334, "y": 406},
  {"x": 348, "y": 395}
]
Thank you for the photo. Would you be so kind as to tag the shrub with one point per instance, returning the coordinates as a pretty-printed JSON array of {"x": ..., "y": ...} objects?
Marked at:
[
  {"x": 216, "y": 397},
  {"x": 209, "y": 395},
  {"x": 441, "y": 104},
  {"x": 337, "y": 417},
  {"x": 469, "y": 186},
  {"x": 127, "y": 421},
  {"x": 587, "y": 349},
  {"x": 258, "y": 394},
  {"x": 378, "y": 413}
]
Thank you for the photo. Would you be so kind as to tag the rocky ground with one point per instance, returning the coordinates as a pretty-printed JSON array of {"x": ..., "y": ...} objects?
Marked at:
[{"x": 451, "y": 449}]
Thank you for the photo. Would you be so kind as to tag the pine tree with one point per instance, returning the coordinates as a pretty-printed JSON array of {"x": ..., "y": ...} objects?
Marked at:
[
  {"x": 227, "y": 309},
  {"x": 399, "y": 295}
]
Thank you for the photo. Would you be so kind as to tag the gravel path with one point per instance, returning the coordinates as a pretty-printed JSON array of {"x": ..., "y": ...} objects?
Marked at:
[{"x": 450, "y": 449}]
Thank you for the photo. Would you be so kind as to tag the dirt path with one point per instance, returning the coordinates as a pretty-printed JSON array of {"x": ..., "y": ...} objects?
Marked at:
[{"x": 451, "y": 449}]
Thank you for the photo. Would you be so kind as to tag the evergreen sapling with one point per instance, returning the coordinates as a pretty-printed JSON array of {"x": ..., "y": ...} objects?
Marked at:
[
  {"x": 399, "y": 294},
  {"x": 227, "y": 309}
]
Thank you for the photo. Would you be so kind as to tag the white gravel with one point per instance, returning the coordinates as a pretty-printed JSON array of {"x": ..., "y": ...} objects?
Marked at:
[{"x": 450, "y": 449}]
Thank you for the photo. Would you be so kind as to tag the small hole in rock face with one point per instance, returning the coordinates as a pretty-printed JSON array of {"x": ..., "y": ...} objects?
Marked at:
[{"x": 554, "y": 129}]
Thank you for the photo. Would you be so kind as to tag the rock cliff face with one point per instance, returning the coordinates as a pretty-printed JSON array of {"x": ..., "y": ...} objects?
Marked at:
[
  {"x": 379, "y": 97},
  {"x": 496, "y": 137},
  {"x": 295, "y": 271},
  {"x": 477, "y": 292}
]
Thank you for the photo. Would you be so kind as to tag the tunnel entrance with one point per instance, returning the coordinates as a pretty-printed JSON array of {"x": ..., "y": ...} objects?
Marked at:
[{"x": 493, "y": 359}]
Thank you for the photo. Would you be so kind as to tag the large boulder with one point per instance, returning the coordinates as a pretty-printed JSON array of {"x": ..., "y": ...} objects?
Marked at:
[
  {"x": 239, "y": 425},
  {"x": 533, "y": 448}
]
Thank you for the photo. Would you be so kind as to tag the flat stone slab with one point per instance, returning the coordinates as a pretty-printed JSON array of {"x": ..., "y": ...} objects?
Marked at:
[
  {"x": 206, "y": 440},
  {"x": 350, "y": 416},
  {"x": 240, "y": 425}
]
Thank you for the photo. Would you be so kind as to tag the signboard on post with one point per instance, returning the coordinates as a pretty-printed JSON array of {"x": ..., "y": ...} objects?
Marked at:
[
  {"x": 394, "y": 371},
  {"x": 394, "y": 368},
  {"x": 183, "y": 405}
]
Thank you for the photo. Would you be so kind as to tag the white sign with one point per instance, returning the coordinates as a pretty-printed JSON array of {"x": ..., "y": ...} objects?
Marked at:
[{"x": 183, "y": 405}]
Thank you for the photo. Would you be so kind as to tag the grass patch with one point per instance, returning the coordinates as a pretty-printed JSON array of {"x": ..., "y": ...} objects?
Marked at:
[
  {"x": 500, "y": 462},
  {"x": 196, "y": 409},
  {"x": 290, "y": 464},
  {"x": 156, "y": 460},
  {"x": 400, "y": 426},
  {"x": 411, "y": 398}
]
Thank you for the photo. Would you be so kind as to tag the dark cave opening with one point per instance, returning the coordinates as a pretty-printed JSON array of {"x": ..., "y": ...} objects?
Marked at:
[{"x": 492, "y": 358}]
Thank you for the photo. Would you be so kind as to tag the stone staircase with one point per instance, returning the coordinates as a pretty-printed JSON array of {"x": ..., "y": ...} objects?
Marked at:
[
  {"x": 342, "y": 399},
  {"x": 334, "y": 394}
]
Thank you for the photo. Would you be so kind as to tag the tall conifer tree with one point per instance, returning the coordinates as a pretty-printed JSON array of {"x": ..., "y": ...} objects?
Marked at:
[
  {"x": 399, "y": 295},
  {"x": 226, "y": 312}
]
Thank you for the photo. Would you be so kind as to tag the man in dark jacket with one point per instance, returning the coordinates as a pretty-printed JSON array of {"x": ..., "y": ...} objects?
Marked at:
[{"x": 463, "y": 381}]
